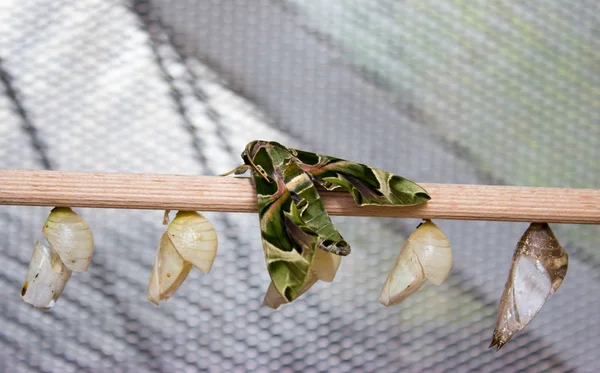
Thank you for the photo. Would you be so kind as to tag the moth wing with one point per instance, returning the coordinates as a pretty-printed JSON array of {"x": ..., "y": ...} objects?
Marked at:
[
  {"x": 274, "y": 299},
  {"x": 312, "y": 214},
  {"x": 324, "y": 268},
  {"x": 289, "y": 250},
  {"x": 294, "y": 223},
  {"x": 367, "y": 185},
  {"x": 325, "y": 265}
]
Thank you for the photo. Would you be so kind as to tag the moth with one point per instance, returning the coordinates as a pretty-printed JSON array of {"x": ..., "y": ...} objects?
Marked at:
[
  {"x": 538, "y": 268},
  {"x": 293, "y": 219}
]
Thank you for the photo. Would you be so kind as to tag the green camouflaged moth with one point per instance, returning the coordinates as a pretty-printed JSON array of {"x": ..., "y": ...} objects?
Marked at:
[{"x": 293, "y": 220}]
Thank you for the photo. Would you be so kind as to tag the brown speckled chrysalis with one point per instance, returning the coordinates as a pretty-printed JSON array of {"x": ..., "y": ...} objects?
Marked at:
[{"x": 539, "y": 266}]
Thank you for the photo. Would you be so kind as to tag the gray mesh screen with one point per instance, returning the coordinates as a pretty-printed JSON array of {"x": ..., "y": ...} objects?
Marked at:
[{"x": 437, "y": 91}]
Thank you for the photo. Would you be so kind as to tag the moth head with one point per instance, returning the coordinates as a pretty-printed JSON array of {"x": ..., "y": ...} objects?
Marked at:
[{"x": 249, "y": 155}]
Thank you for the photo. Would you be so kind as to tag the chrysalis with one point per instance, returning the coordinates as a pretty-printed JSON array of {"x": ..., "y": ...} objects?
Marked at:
[
  {"x": 538, "y": 268},
  {"x": 426, "y": 255},
  {"x": 71, "y": 237},
  {"x": 70, "y": 248},
  {"x": 324, "y": 268},
  {"x": 190, "y": 240}
]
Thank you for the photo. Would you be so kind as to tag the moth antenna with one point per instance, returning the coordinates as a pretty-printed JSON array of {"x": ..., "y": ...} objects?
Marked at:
[
  {"x": 237, "y": 171},
  {"x": 262, "y": 172}
]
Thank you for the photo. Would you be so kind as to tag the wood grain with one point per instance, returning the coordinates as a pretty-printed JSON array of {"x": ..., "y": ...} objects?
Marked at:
[{"x": 233, "y": 194}]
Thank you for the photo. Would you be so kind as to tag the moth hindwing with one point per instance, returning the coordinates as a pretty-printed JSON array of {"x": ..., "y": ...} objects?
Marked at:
[{"x": 293, "y": 220}]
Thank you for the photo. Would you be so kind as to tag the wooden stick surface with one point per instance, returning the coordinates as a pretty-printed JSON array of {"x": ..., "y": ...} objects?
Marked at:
[{"x": 233, "y": 194}]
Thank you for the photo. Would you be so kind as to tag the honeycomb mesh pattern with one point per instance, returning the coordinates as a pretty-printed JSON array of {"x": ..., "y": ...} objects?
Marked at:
[{"x": 436, "y": 91}]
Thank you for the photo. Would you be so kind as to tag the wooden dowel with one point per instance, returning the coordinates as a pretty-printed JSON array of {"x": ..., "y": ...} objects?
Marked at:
[{"x": 233, "y": 194}]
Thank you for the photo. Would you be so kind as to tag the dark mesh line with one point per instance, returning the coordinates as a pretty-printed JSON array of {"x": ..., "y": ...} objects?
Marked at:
[
  {"x": 191, "y": 77},
  {"x": 141, "y": 9},
  {"x": 26, "y": 123}
]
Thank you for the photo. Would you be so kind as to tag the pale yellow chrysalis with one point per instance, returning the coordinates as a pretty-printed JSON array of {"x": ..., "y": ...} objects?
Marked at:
[
  {"x": 168, "y": 273},
  {"x": 426, "y": 255},
  {"x": 70, "y": 248},
  {"x": 539, "y": 266},
  {"x": 324, "y": 268},
  {"x": 190, "y": 240},
  {"x": 71, "y": 237},
  {"x": 194, "y": 238}
]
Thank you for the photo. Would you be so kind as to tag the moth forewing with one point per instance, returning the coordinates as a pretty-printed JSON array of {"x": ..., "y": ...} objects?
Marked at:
[
  {"x": 288, "y": 269},
  {"x": 273, "y": 299},
  {"x": 538, "y": 268},
  {"x": 293, "y": 220},
  {"x": 46, "y": 278},
  {"x": 367, "y": 185}
]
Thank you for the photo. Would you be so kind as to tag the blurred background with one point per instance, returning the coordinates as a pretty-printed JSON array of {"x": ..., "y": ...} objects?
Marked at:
[{"x": 436, "y": 91}]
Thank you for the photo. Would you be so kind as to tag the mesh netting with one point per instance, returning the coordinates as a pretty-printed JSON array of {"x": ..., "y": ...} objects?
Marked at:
[{"x": 436, "y": 91}]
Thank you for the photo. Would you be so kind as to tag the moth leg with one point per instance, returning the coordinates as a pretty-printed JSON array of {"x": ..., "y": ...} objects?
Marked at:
[
  {"x": 325, "y": 184},
  {"x": 237, "y": 171},
  {"x": 166, "y": 217},
  {"x": 261, "y": 171}
]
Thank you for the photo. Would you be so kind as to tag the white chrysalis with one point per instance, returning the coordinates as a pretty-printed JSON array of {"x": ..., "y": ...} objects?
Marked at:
[
  {"x": 426, "y": 255},
  {"x": 46, "y": 278},
  {"x": 324, "y": 268},
  {"x": 538, "y": 268},
  {"x": 70, "y": 248},
  {"x": 190, "y": 240}
]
